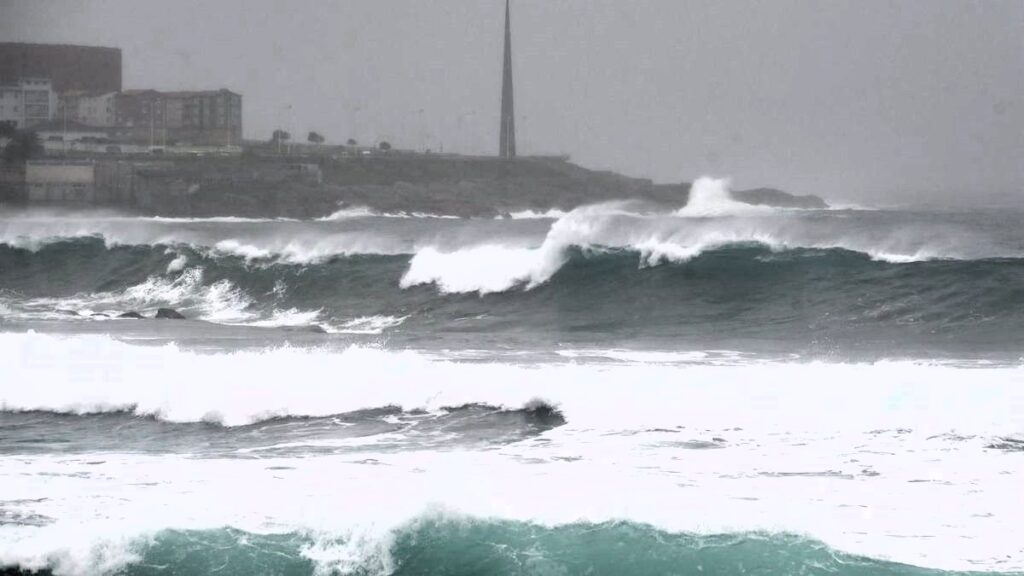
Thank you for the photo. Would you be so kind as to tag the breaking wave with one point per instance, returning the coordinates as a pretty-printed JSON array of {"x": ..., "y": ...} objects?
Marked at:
[
  {"x": 710, "y": 197},
  {"x": 445, "y": 544},
  {"x": 365, "y": 212},
  {"x": 364, "y": 452},
  {"x": 814, "y": 300},
  {"x": 812, "y": 281},
  {"x": 73, "y": 375}
]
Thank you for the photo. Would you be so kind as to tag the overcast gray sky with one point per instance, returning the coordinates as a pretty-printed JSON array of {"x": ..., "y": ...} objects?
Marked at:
[{"x": 851, "y": 99}]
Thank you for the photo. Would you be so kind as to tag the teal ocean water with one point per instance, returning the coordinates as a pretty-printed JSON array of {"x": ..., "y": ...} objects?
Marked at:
[
  {"x": 438, "y": 546},
  {"x": 722, "y": 390}
]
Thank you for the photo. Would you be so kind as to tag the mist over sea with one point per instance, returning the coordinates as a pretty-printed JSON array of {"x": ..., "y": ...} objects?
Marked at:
[{"x": 619, "y": 389}]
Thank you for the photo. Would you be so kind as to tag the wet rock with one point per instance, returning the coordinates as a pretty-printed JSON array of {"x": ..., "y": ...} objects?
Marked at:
[
  {"x": 169, "y": 314},
  {"x": 132, "y": 315},
  {"x": 311, "y": 329},
  {"x": 17, "y": 571},
  {"x": 67, "y": 312}
]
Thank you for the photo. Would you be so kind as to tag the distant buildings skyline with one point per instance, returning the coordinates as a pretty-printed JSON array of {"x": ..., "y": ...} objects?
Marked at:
[{"x": 41, "y": 84}]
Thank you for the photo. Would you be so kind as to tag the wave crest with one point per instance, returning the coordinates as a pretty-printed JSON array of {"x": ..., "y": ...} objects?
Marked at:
[{"x": 444, "y": 543}]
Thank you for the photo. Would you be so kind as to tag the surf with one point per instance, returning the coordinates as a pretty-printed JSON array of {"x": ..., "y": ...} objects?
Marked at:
[{"x": 441, "y": 545}]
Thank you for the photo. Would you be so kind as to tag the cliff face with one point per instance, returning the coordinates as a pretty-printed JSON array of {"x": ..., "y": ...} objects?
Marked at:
[{"x": 484, "y": 187}]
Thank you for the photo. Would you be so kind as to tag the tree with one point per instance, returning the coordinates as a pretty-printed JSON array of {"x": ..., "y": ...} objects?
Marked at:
[
  {"x": 315, "y": 138},
  {"x": 280, "y": 136},
  {"x": 8, "y": 129},
  {"x": 385, "y": 146},
  {"x": 23, "y": 146},
  {"x": 352, "y": 142}
]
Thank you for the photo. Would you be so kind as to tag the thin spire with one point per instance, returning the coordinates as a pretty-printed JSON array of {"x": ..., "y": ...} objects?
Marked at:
[{"x": 507, "y": 143}]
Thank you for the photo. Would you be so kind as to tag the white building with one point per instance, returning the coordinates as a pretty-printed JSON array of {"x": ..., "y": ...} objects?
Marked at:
[{"x": 28, "y": 102}]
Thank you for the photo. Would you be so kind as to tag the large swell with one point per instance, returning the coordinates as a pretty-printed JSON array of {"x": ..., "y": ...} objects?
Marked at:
[
  {"x": 817, "y": 283},
  {"x": 621, "y": 389}
]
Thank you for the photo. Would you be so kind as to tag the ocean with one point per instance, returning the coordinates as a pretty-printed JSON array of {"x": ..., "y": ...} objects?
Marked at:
[{"x": 618, "y": 389}]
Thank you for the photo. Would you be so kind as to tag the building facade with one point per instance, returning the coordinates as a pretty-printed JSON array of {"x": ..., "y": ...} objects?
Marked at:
[
  {"x": 83, "y": 68},
  {"x": 205, "y": 118},
  {"x": 98, "y": 110},
  {"x": 27, "y": 102},
  {"x": 213, "y": 118}
]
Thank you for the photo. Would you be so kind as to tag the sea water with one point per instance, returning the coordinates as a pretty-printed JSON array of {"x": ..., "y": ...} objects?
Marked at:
[{"x": 617, "y": 389}]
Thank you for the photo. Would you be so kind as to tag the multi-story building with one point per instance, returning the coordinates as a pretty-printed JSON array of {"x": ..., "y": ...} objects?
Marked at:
[
  {"x": 97, "y": 110},
  {"x": 27, "y": 102},
  {"x": 214, "y": 117},
  {"x": 140, "y": 113},
  {"x": 84, "y": 68},
  {"x": 203, "y": 118},
  {"x": 12, "y": 104}
]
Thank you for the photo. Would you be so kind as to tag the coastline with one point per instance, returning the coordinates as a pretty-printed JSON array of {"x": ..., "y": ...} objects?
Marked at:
[{"x": 312, "y": 186}]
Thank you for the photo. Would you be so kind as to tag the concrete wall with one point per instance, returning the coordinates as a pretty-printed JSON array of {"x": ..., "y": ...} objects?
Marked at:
[{"x": 61, "y": 182}]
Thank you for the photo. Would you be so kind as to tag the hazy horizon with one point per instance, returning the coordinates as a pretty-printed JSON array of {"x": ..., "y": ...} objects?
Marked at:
[{"x": 872, "y": 101}]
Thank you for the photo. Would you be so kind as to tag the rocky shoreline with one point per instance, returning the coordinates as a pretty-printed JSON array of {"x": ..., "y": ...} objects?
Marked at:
[{"x": 314, "y": 187}]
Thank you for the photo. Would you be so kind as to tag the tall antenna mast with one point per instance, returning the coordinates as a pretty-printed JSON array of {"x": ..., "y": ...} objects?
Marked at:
[{"x": 507, "y": 142}]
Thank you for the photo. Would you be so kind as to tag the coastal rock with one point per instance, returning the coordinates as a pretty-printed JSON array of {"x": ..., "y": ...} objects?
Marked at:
[
  {"x": 779, "y": 199},
  {"x": 169, "y": 314},
  {"x": 262, "y": 184},
  {"x": 132, "y": 315},
  {"x": 309, "y": 328}
]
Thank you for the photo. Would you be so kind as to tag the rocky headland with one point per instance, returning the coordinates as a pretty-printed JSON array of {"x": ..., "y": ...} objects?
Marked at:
[{"x": 296, "y": 187}]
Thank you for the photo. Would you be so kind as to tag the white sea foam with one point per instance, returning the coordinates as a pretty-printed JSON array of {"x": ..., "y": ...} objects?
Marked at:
[
  {"x": 350, "y": 212},
  {"x": 212, "y": 220},
  {"x": 496, "y": 268},
  {"x": 482, "y": 269},
  {"x": 711, "y": 197},
  {"x": 365, "y": 212},
  {"x": 550, "y": 214},
  {"x": 233, "y": 247},
  {"x": 70, "y": 374},
  {"x": 712, "y": 219},
  {"x": 178, "y": 264},
  {"x": 856, "y": 455},
  {"x": 289, "y": 318},
  {"x": 368, "y": 325},
  {"x": 220, "y": 301}
]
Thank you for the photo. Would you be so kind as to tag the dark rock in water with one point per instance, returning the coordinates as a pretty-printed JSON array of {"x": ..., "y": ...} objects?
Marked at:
[
  {"x": 132, "y": 315},
  {"x": 169, "y": 314},
  {"x": 67, "y": 312},
  {"x": 778, "y": 199},
  {"x": 312, "y": 329},
  {"x": 16, "y": 571},
  {"x": 543, "y": 413}
]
